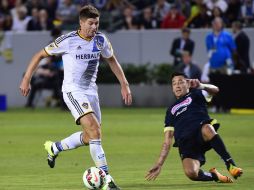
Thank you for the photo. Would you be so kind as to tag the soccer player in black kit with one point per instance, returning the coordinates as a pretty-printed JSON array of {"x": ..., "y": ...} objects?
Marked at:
[{"x": 187, "y": 120}]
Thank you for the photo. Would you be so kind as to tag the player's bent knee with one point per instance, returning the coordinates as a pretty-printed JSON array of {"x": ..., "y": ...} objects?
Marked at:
[
  {"x": 208, "y": 132},
  {"x": 93, "y": 131},
  {"x": 91, "y": 128},
  {"x": 191, "y": 174},
  {"x": 85, "y": 138}
]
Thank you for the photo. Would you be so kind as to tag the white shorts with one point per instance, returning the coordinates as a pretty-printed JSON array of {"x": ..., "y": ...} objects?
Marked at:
[{"x": 81, "y": 104}]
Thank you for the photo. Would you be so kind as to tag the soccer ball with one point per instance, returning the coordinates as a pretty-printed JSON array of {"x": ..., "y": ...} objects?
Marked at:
[{"x": 94, "y": 178}]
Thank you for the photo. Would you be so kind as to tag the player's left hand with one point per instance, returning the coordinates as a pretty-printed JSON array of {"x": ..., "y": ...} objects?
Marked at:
[
  {"x": 153, "y": 173},
  {"x": 126, "y": 94},
  {"x": 194, "y": 83}
]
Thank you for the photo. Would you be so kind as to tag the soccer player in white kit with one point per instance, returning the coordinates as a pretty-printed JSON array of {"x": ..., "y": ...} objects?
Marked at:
[{"x": 81, "y": 51}]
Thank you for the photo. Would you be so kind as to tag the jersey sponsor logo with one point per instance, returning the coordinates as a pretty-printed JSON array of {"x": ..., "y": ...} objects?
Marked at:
[
  {"x": 183, "y": 110},
  {"x": 184, "y": 103},
  {"x": 88, "y": 56}
]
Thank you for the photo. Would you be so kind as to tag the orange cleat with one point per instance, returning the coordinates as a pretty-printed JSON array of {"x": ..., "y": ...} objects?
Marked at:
[
  {"x": 235, "y": 171},
  {"x": 221, "y": 178}
]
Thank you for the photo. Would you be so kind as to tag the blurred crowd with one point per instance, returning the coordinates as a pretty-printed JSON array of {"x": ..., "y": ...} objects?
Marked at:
[
  {"x": 37, "y": 15},
  {"x": 227, "y": 54}
]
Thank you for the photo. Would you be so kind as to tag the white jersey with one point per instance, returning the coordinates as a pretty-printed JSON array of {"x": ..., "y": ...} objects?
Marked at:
[{"x": 80, "y": 59}]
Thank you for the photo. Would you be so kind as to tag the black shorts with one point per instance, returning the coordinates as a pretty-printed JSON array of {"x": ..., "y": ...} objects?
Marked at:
[{"x": 195, "y": 147}]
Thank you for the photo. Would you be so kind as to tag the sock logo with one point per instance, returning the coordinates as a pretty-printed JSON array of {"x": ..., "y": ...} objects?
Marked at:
[{"x": 101, "y": 156}]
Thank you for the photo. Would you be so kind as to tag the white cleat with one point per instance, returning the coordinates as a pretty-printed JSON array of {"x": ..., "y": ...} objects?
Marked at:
[{"x": 110, "y": 184}]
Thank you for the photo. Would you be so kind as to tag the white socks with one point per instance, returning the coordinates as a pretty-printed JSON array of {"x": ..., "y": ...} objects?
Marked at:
[
  {"x": 76, "y": 140},
  {"x": 73, "y": 141},
  {"x": 98, "y": 154}
]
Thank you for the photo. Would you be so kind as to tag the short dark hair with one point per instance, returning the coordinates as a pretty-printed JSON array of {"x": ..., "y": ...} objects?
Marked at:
[
  {"x": 238, "y": 25},
  {"x": 178, "y": 74},
  {"x": 88, "y": 11},
  {"x": 185, "y": 29}
]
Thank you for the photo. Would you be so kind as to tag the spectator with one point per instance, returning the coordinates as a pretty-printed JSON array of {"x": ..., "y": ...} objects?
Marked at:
[
  {"x": 33, "y": 24},
  {"x": 67, "y": 14},
  {"x": 98, "y": 4},
  {"x": 5, "y": 16},
  {"x": 51, "y": 7},
  {"x": 216, "y": 12},
  {"x": 11, "y": 3},
  {"x": 113, "y": 5},
  {"x": 147, "y": 20},
  {"x": 161, "y": 9},
  {"x": 34, "y": 4},
  {"x": 242, "y": 48},
  {"x": 190, "y": 69},
  {"x": 45, "y": 22},
  {"x": 247, "y": 12},
  {"x": 195, "y": 10},
  {"x": 142, "y": 4},
  {"x": 14, "y": 10},
  {"x": 182, "y": 44},
  {"x": 221, "y": 4},
  {"x": 174, "y": 19},
  {"x": 129, "y": 20},
  {"x": 184, "y": 6},
  {"x": 49, "y": 75},
  {"x": 21, "y": 21},
  {"x": 220, "y": 46},
  {"x": 201, "y": 20},
  {"x": 39, "y": 21},
  {"x": 46, "y": 77},
  {"x": 234, "y": 9}
]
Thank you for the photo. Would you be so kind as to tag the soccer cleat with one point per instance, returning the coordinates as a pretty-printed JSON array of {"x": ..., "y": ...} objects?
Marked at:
[
  {"x": 220, "y": 178},
  {"x": 235, "y": 171},
  {"x": 110, "y": 184},
  {"x": 51, "y": 156}
]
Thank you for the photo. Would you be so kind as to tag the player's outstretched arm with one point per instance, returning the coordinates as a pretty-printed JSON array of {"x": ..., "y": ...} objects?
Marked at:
[
  {"x": 154, "y": 172},
  {"x": 211, "y": 89},
  {"x": 25, "y": 83},
  {"x": 118, "y": 71}
]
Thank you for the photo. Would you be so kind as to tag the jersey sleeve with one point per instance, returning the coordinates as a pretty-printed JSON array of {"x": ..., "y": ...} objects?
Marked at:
[
  {"x": 202, "y": 95},
  {"x": 208, "y": 97},
  {"x": 58, "y": 47},
  {"x": 107, "y": 51},
  {"x": 169, "y": 126}
]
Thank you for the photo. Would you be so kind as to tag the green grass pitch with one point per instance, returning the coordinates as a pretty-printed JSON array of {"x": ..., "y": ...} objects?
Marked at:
[{"x": 132, "y": 140}]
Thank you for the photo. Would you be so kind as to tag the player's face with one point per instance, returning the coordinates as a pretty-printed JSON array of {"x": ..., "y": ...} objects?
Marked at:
[
  {"x": 180, "y": 86},
  {"x": 89, "y": 27}
]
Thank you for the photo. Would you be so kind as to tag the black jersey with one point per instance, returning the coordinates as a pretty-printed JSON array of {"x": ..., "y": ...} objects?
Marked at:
[{"x": 187, "y": 114}]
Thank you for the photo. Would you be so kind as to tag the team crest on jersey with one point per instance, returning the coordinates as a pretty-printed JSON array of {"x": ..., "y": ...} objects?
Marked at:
[
  {"x": 51, "y": 46},
  {"x": 98, "y": 43},
  {"x": 184, "y": 103},
  {"x": 85, "y": 105}
]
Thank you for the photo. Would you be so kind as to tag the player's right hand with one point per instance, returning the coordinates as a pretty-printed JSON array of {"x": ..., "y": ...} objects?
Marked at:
[
  {"x": 25, "y": 87},
  {"x": 153, "y": 173}
]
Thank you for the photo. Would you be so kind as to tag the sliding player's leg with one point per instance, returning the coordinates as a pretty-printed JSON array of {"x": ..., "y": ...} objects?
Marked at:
[{"x": 211, "y": 136}]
